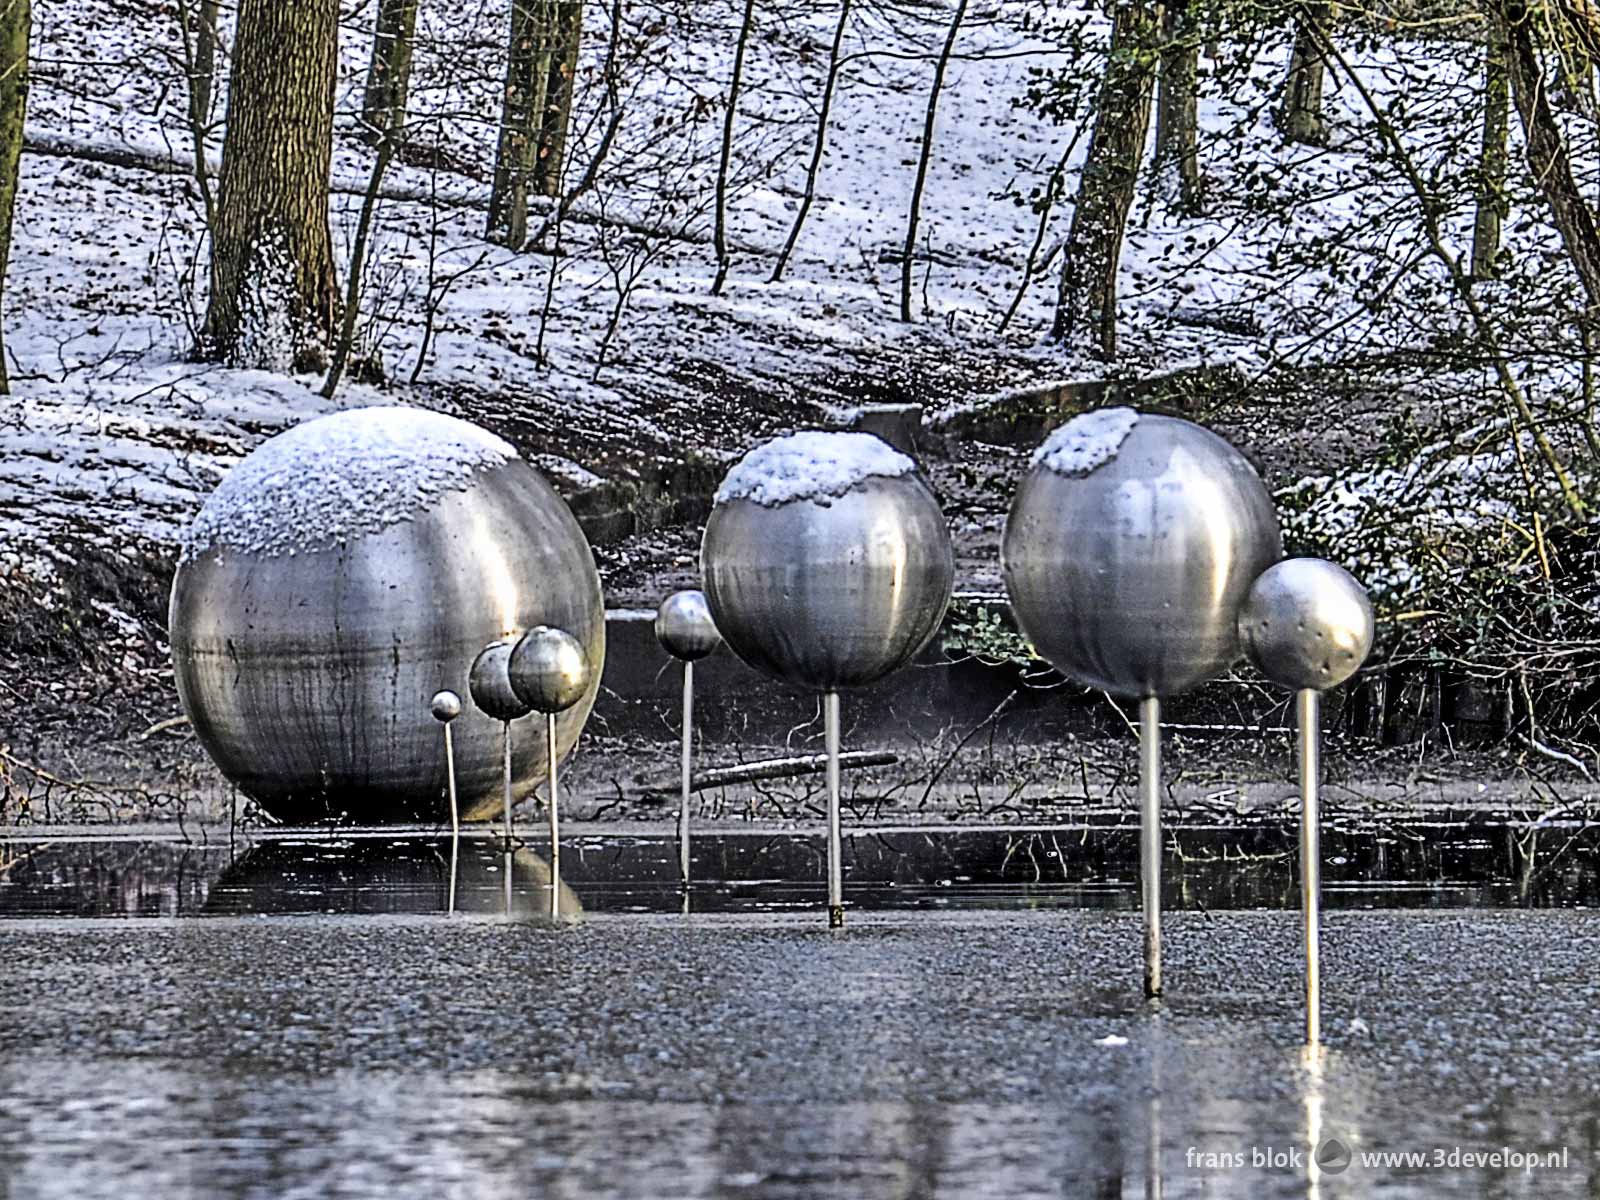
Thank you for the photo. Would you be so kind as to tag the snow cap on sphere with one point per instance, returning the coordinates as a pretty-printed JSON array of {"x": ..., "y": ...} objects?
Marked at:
[
  {"x": 1089, "y": 440},
  {"x": 811, "y": 465},
  {"x": 339, "y": 476}
]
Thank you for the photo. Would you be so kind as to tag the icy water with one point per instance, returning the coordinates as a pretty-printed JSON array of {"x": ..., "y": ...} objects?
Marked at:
[{"x": 325, "y": 1028}]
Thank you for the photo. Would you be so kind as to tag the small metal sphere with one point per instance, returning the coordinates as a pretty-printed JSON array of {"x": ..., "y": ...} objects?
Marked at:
[
  {"x": 445, "y": 706},
  {"x": 830, "y": 592},
  {"x": 684, "y": 626},
  {"x": 1129, "y": 548},
  {"x": 1307, "y": 623},
  {"x": 490, "y": 684},
  {"x": 548, "y": 670}
]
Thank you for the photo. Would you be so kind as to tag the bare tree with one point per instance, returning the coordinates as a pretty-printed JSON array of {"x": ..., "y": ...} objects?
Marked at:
[
  {"x": 926, "y": 155},
  {"x": 274, "y": 293},
  {"x": 818, "y": 145},
  {"x": 1300, "y": 113},
  {"x": 16, "y": 25},
  {"x": 1177, "y": 105},
  {"x": 719, "y": 231},
  {"x": 389, "y": 71},
  {"x": 1491, "y": 197}
]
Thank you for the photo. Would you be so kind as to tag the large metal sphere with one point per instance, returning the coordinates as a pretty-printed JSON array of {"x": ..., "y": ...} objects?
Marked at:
[
  {"x": 344, "y": 573},
  {"x": 489, "y": 682},
  {"x": 548, "y": 670},
  {"x": 1129, "y": 548},
  {"x": 830, "y": 591},
  {"x": 1307, "y": 623},
  {"x": 445, "y": 706},
  {"x": 684, "y": 626}
]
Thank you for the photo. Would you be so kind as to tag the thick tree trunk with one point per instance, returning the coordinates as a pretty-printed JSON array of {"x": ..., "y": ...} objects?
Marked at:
[
  {"x": 1546, "y": 149},
  {"x": 383, "y": 107},
  {"x": 1086, "y": 304},
  {"x": 16, "y": 23},
  {"x": 1177, "y": 105},
  {"x": 274, "y": 294},
  {"x": 1300, "y": 114},
  {"x": 1491, "y": 155},
  {"x": 541, "y": 59}
]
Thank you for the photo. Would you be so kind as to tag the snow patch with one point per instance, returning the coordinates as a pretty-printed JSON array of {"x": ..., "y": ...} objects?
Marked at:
[
  {"x": 811, "y": 465},
  {"x": 339, "y": 476},
  {"x": 1089, "y": 440}
]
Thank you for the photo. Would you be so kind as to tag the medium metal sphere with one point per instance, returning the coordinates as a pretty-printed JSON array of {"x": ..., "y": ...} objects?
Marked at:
[
  {"x": 344, "y": 573},
  {"x": 489, "y": 682},
  {"x": 1129, "y": 548},
  {"x": 548, "y": 670},
  {"x": 1307, "y": 623},
  {"x": 445, "y": 706},
  {"x": 832, "y": 589},
  {"x": 684, "y": 626}
]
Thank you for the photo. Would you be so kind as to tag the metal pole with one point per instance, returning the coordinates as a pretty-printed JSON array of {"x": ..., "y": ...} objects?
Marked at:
[
  {"x": 688, "y": 756},
  {"x": 505, "y": 774},
  {"x": 555, "y": 819},
  {"x": 1150, "y": 838},
  {"x": 455, "y": 812},
  {"x": 830, "y": 722},
  {"x": 1309, "y": 714}
]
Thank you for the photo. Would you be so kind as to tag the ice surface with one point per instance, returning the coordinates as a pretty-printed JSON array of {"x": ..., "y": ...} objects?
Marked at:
[
  {"x": 1089, "y": 440},
  {"x": 810, "y": 465},
  {"x": 339, "y": 476}
]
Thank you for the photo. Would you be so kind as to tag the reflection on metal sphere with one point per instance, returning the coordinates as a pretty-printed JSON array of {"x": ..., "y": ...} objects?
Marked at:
[
  {"x": 489, "y": 681},
  {"x": 445, "y": 706},
  {"x": 345, "y": 572},
  {"x": 684, "y": 626},
  {"x": 830, "y": 591},
  {"x": 1129, "y": 549},
  {"x": 1307, "y": 623},
  {"x": 548, "y": 670}
]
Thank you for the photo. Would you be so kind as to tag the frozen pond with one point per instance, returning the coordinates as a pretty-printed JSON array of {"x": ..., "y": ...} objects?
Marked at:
[{"x": 973, "y": 1033}]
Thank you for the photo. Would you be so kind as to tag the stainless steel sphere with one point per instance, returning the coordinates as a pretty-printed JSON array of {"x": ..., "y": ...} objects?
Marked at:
[
  {"x": 445, "y": 706},
  {"x": 1129, "y": 548},
  {"x": 1307, "y": 623},
  {"x": 548, "y": 670},
  {"x": 830, "y": 590},
  {"x": 489, "y": 682},
  {"x": 344, "y": 573},
  {"x": 684, "y": 626}
]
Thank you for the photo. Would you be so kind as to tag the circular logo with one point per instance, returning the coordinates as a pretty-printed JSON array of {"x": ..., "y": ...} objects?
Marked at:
[{"x": 1332, "y": 1156}]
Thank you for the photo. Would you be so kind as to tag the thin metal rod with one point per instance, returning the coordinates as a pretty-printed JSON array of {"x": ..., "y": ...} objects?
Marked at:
[
  {"x": 1308, "y": 712},
  {"x": 505, "y": 776},
  {"x": 555, "y": 818},
  {"x": 830, "y": 722},
  {"x": 688, "y": 762},
  {"x": 1150, "y": 838},
  {"x": 455, "y": 812}
]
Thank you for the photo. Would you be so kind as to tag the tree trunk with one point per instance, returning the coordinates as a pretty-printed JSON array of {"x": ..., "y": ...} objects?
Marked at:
[
  {"x": 1177, "y": 105},
  {"x": 383, "y": 108},
  {"x": 719, "y": 229},
  {"x": 541, "y": 59},
  {"x": 274, "y": 294},
  {"x": 818, "y": 146},
  {"x": 1492, "y": 155},
  {"x": 1086, "y": 304},
  {"x": 1300, "y": 116},
  {"x": 16, "y": 23},
  {"x": 925, "y": 156},
  {"x": 1546, "y": 150}
]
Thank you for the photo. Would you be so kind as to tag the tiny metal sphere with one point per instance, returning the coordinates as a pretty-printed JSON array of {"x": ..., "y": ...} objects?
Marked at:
[
  {"x": 489, "y": 681},
  {"x": 684, "y": 626},
  {"x": 1129, "y": 548},
  {"x": 446, "y": 706},
  {"x": 1307, "y": 623},
  {"x": 548, "y": 670}
]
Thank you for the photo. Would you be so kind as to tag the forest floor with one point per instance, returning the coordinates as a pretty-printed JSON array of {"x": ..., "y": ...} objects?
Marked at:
[{"x": 113, "y": 437}]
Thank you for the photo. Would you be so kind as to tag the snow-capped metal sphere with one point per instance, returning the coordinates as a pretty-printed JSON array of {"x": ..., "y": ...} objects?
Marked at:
[
  {"x": 684, "y": 626},
  {"x": 1129, "y": 548},
  {"x": 548, "y": 670},
  {"x": 445, "y": 706},
  {"x": 1307, "y": 623},
  {"x": 826, "y": 560},
  {"x": 489, "y": 682},
  {"x": 344, "y": 573}
]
